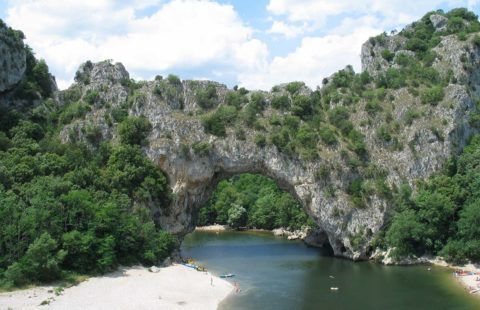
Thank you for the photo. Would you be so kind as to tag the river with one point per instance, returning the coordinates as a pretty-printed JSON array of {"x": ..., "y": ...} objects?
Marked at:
[{"x": 275, "y": 273}]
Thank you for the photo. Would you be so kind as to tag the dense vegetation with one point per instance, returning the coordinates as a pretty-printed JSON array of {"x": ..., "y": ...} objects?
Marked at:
[
  {"x": 80, "y": 207},
  {"x": 444, "y": 216},
  {"x": 253, "y": 201}
]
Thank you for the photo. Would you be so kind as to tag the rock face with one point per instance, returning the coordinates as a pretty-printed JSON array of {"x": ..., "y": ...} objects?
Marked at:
[
  {"x": 12, "y": 57},
  {"x": 439, "y": 22},
  {"x": 173, "y": 109}
]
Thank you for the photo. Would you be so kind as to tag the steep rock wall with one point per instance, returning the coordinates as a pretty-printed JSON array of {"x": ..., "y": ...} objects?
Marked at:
[{"x": 172, "y": 108}]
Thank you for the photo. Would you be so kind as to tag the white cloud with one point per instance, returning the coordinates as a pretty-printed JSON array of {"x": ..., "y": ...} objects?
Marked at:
[
  {"x": 207, "y": 38},
  {"x": 314, "y": 59},
  {"x": 288, "y": 30},
  {"x": 392, "y": 13},
  {"x": 181, "y": 33}
]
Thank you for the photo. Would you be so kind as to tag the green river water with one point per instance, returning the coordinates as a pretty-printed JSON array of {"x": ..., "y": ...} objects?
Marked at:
[{"x": 274, "y": 273}]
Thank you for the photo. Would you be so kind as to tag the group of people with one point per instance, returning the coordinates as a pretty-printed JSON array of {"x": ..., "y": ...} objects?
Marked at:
[{"x": 463, "y": 273}]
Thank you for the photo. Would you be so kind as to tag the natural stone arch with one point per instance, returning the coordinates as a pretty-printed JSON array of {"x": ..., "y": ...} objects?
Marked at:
[
  {"x": 193, "y": 179},
  {"x": 176, "y": 119}
]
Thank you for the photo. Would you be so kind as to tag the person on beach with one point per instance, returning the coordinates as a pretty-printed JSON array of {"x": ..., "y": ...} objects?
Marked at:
[{"x": 211, "y": 281}]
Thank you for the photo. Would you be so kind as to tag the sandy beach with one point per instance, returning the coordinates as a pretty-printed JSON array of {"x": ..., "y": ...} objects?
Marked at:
[
  {"x": 214, "y": 227},
  {"x": 173, "y": 287},
  {"x": 468, "y": 279}
]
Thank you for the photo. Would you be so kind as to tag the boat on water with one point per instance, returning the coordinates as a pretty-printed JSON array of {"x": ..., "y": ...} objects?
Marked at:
[{"x": 228, "y": 275}]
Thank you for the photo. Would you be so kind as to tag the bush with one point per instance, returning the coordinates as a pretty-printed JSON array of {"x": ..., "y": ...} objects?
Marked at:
[
  {"x": 294, "y": 87},
  {"x": 410, "y": 115},
  {"x": 174, "y": 80},
  {"x": 302, "y": 106},
  {"x": 134, "y": 130},
  {"x": 201, "y": 148},
  {"x": 91, "y": 96},
  {"x": 357, "y": 143},
  {"x": 339, "y": 117},
  {"x": 42, "y": 78},
  {"x": 256, "y": 106},
  {"x": 207, "y": 98},
  {"x": 72, "y": 111},
  {"x": 235, "y": 99},
  {"x": 387, "y": 55},
  {"x": 40, "y": 262},
  {"x": 215, "y": 123},
  {"x": 432, "y": 95},
  {"x": 372, "y": 107},
  {"x": 119, "y": 114},
  {"x": 281, "y": 102},
  {"x": 383, "y": 133},
  {"x": 327, "y": 135},
  {"x": 93, "y": 134},
  {"x": 4, "y": 141},
  {"x": 260, "y": 140},
  {"x": 237, "y": 217},
  {"x": 476, "y": 40},
  {"x": 416, "y": 45}
]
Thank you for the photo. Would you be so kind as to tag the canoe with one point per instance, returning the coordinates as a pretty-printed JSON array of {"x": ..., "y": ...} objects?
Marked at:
[
  {"x": 191, "y": 266},
  {"x": 228, "y": 275}
]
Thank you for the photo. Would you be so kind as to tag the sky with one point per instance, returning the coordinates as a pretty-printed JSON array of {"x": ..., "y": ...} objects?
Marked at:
[{"x": 251, "y": 43}]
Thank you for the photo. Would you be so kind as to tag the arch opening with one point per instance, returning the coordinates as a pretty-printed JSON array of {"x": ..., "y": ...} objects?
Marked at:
[{"x": 252, "y": 200}]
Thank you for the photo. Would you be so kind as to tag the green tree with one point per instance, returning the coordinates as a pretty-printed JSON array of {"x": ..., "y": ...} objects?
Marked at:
[
  {"x": 134, "y": 130},
  {"x": 237, "y": 216}
]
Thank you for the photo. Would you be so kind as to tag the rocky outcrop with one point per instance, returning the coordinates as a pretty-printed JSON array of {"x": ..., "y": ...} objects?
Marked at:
[
  {"x": 424, "y": 142},
  {"x": 439, "y": 22},
  {"x": 311, "y": 236},
  {"x": 12, "y": 57}
]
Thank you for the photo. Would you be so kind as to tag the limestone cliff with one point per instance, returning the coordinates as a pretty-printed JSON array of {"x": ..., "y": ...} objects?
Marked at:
[
  {"x": 367, "y": 133},
  {"x": 13, "y": 57}
]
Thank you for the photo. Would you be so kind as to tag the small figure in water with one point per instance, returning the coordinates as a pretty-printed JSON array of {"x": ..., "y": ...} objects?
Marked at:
[{"x": 237, "y": 288}]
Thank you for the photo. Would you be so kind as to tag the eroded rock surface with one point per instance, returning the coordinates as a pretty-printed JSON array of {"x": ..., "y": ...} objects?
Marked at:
[
  {"x": 172, "y": 108},
  {"x": 12, "y": 57}
]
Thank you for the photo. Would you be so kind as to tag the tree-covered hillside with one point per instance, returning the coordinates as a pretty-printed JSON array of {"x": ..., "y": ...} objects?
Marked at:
[
  {"x": 443, "y": 218},
  {"x": 72, "y": 208}
]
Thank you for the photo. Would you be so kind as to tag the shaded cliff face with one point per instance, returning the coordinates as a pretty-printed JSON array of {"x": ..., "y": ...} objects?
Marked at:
[
  {"x": 13, "y": 57},
  {"x": 404, "y": 134}
]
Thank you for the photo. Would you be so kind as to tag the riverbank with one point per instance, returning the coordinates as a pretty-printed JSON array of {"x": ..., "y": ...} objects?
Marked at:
[
  {"x": 214, "y": 227},
  {"x": 173, "y": 287},
  {"x": 311, "y": 236},
  {"x": 467, "y": 275}
]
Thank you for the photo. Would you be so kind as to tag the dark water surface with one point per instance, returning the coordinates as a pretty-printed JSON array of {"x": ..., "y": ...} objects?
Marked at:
[{"x": 274, "y": 273}]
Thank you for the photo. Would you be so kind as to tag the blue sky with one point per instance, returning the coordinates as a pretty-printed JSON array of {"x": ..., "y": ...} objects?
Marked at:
[{"x": 252, "y": 43}]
